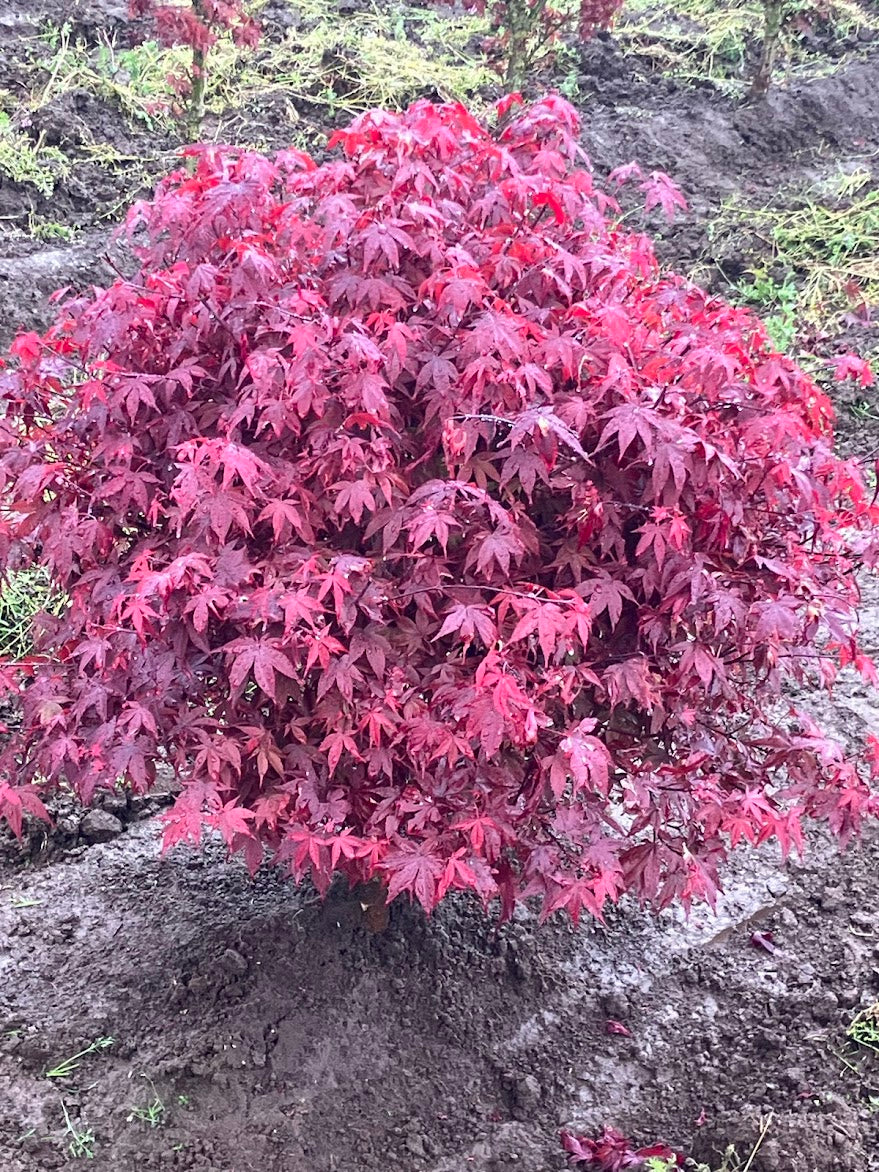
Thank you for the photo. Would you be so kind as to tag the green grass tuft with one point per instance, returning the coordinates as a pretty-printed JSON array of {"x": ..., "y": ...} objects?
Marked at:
[
  {"x": 23, "y": 596},
  {"x": 24, "y": 160},
  {"x": 385, "y": 55},
  {"x": 813, "y": 254}
]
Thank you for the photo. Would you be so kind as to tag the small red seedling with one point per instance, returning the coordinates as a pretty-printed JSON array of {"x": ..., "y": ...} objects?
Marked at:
[
  {"x": 617, "y": 1027},
  {"x": 612, "y": 1152},
  {"x": 764, "y": 940}
]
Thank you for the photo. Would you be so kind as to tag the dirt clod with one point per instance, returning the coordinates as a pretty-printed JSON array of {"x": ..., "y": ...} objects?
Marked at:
[{"x": 100, "y": 826}]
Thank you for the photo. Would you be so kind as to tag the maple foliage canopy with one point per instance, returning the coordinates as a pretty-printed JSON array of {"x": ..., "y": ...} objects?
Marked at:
[{"x": 429, "y": 531}]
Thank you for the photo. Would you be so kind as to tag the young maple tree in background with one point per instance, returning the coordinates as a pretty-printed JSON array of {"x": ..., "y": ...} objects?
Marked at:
[
  {"x": 196, "y": 23},
  {"x": 801, "y": 16},
  {"x": 524, "y": 28},
  {"x": 774, "y": 12},
  {"x": 429, "y": 531}
]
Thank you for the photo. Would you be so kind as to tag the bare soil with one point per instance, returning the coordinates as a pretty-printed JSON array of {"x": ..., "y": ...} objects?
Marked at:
[{"x": 269, "y": 1031}]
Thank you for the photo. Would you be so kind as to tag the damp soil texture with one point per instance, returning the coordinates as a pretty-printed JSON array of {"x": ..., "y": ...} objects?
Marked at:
[{"x": 170, "y": 1013}]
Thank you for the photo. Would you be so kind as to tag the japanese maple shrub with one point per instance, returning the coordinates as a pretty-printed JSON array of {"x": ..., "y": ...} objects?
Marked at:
[
  {"x": 196, "y": 24},
  {"x": 429, "y": 531}
]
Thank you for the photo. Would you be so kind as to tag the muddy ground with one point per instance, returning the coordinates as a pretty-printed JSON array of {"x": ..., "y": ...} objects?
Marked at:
[{"x": 253, "y": 1028}]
